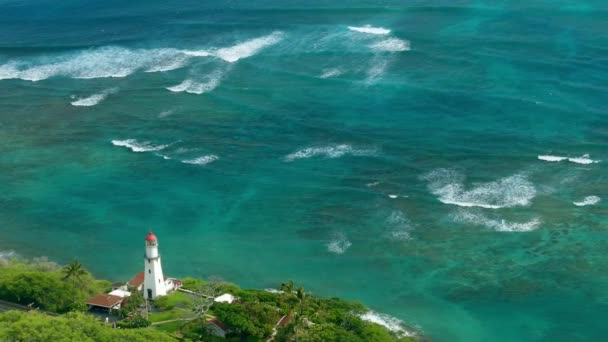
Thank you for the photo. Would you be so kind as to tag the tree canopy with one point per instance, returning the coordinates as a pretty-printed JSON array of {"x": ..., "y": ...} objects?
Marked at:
[{"x": 33, "y": 327}]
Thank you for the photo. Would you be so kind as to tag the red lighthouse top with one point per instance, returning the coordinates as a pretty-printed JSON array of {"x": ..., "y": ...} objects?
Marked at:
[{"x": 151, "y": 237}]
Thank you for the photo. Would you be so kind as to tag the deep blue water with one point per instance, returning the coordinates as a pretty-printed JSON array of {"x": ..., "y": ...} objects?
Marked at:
[{"x": 443, "y": 162}]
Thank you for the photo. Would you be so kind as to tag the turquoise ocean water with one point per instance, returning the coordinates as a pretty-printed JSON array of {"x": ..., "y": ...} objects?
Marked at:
[{"x": 446, "y": 164}]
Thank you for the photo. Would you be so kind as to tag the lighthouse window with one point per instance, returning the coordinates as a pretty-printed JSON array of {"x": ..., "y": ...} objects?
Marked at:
[
  {"x": 149, "y": 271},
  {"x": 159, "y": 280}
]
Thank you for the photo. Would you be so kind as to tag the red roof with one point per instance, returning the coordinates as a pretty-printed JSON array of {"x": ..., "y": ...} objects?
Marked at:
[
  {"x": 137, "y": 280},
  {"x": 219, "y": 323},
  {"x": 285, "y": 320},
  {"x": 105, "y": 300},
  {"x": 151, "y": 237}
]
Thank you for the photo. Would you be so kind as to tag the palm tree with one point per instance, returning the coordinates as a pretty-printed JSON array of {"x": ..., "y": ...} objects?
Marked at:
[
  {"x": 74, "y": 272},
  {"x": 301, "y": 294},
  {"x": 287, "y": 287}
]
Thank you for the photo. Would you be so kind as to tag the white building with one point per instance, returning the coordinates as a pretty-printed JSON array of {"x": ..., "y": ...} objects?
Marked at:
[
  {"x": 154, "y": 281},
  {"x": 225, "y": 298}
]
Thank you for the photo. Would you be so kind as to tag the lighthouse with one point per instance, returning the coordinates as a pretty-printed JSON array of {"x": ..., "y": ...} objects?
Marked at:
[{"x": 154, "y": 281}]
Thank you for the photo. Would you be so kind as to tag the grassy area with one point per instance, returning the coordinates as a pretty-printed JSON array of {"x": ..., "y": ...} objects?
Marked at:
[
  {"x": 170, "y": 327},
  {"x": 176, "y": 299},
  {"x": 174, "y": 313}
]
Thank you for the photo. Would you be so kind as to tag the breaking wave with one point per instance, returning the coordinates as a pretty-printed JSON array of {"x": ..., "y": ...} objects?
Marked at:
[
  {"x": 339, "y": 244},
  {"x": 93, "y": 99},
  {"x": 207, "y": 84},
  {"x": 109, "y": 61},
  {"x": 552, "y": 158},
  {"x": 589, "y": 200},
  {"x": 370, "y": 29},
  {"x": 392, "y": 45},
  {"x": 193, "y": 87},
  {"x": 498, "y": 225},
  {"x": 248, "y": 48},
  {"x": 584, "y": 159},
  {"x": 115, "y": 61},
  {"x": 511, "y": 191},
  {"x": 204, "y": 160},
  {"x": 391, "y": 323},
  {"x": 136, "y": 146},
  {"x": 331, "y": 151}
]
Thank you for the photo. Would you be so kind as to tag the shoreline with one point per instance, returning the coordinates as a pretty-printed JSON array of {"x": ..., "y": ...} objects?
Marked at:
[{"x": 390, "y": 323}]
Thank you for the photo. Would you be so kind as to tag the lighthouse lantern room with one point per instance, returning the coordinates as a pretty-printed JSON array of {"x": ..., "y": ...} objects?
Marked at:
[{"x": 154, "y": 281}]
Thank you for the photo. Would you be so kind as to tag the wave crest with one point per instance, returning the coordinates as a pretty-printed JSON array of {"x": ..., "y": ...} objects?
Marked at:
[
  {"x": 370, "y": 29},
  {"x": 331, "y": 72},
  {"x": 584, "y": 159},
  {"x": 204, "y": 160},
  {"x": 109, "y": 61},
  {"x": 589, "y": 200},
  {"x": 248, "y": 48},
  {"x": 93, "y": 99},
  {"x": 498, "y": 225},
  {"x": 330, "y": 151},
  {"x": 136, "y": 146}
]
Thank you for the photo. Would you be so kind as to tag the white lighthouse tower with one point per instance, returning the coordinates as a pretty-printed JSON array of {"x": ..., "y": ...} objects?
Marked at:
[{"x": 154, "y": 281}]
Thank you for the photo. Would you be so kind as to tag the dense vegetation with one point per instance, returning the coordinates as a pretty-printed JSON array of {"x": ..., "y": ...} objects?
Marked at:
[
  {"x": 179, "y": 316},
  {"x": 73, "y": 326},
  {"x": 257, "y": 312},
  {"x": 47, "y": 286}
]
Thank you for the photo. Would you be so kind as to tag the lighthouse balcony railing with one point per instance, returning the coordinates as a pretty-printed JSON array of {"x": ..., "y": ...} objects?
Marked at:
[{"x": 152, "y": 258}]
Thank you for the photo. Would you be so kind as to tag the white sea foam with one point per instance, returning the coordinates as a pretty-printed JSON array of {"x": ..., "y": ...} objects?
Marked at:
[
  {"x": 391, "y": 323},
  {"x": 331, "y": 151},
  {"x": 109, "y": 61},
  {"x": 248, "y": 48},
  {"x": 193, "y": 87},
  {"x": 392, "y": 45},
  {"x": 207, "y": 84},
  {"x": 339, "y": 244},
  {"x": 511, "y": 191},
  {"x": 169, "y": 64},
  {"x": 7, "y": 255},
  {"x": 204, "y": 160},
  {"x": 370, "y": 29},
  {"x": 393, "y": 196},
  {"x": 136, "y": 146},
  {"x": 271, "y": 290},
  {"x": 166, "y": 113},
  {"x": 399, "y": 226},
  {"x": 584, "y": 159},
  {"x": 589, "y": 200},
  {"x": 185, "y": 150},
  {"x": 196, "y": 53},
  {"x": 499, "y": 225},
  {"x": 550, "y": 158},
  {"x": 93, "y": 99},
  {"x": 331, "y": 72},
  {"x": 377, "y": 69}
]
